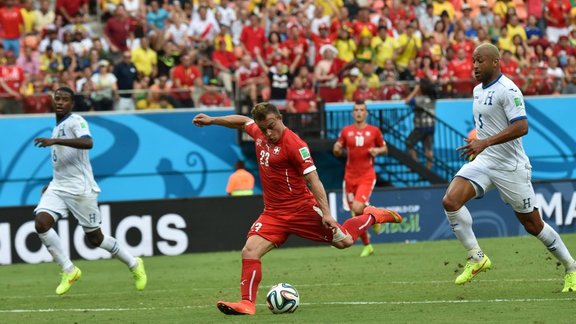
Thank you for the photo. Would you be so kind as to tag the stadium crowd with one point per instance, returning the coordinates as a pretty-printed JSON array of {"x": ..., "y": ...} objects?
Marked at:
[{"x": 159, "y": 54}]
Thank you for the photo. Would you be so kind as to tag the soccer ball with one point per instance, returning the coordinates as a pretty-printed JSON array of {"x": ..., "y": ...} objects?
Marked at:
[{"x": 282, "y": 298}]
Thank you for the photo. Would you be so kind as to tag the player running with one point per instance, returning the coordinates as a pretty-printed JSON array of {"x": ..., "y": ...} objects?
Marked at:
[
  {"x": 294, "y": 199},
  {"x": 363, "y": 142},
  {"x": 499, "y": 161},
  {"x": 74, "y": 190}
]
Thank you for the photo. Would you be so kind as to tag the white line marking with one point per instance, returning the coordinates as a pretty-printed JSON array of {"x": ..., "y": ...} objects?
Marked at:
[{"x": 416, "y": 302}]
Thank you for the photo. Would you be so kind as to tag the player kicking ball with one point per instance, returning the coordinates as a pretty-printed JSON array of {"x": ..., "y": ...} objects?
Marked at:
[
  {"x": 498, "y": 161},
  {"x": 74, "y": 190},
  {"x": 294, "y": 199}
]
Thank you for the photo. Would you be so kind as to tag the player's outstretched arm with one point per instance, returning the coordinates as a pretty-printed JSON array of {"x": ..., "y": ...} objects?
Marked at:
[
  {"x": 317, "y": 189},
  {"x": 85, "y": 143},
  {"x": 230, "y": 121}
]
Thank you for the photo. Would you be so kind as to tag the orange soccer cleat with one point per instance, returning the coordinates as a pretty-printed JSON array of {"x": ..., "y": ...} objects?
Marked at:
[
  {"x": 243, "y": 307},
  {"x": 383, "y": 215}
]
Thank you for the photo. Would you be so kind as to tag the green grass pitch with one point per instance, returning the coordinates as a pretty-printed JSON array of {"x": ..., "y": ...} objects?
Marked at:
[{"x": 400, "y": 283}]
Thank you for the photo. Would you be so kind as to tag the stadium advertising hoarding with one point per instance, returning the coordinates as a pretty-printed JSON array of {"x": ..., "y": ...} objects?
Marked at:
[{"x": 173, "y": 227}]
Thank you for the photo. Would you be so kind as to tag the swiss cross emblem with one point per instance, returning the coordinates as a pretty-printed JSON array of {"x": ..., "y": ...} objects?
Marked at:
[
  {"x": 350, "y": 133},
  {"x": 367, "y": 133},
  {"x": 276, "y": 150},
  {"x": 259, "y": 142}
]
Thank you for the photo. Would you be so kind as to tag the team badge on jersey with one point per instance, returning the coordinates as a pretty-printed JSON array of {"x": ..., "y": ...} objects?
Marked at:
[
  {"x": 304, "y": 153},
  {"x": 276, "y": 150},
  {"x": 517, "y": 102}
]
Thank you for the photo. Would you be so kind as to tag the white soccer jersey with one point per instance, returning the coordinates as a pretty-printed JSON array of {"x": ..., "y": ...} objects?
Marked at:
[
  {"x": 496, "y": 106},
  {"x": 72, "y": 169}
]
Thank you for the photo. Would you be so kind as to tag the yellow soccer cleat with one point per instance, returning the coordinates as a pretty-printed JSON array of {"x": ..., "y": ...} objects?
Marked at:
[
  {"x": 472, "y": 269},
  {"x": 569, "y": 282},
  {"x": 368, "y": 250},
  {"x": 68, "y": 280},
  {"x": 139, "y": 275}
]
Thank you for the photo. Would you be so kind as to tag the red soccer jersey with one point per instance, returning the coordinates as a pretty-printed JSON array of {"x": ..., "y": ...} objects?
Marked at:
[
  {"x": 360, "y": 26},
  {"x": 247, "y": 73},
  {"x": 558, "y": 9},
  {"x": 282, "y": 167},
  {"x": 11, "y": 20},
  {"x": 292, "y": 44},
  {"x": 462, "y": 71},
  {"x": 253, "y": 37},
  {"x": 360, "y": 163},
  {"x": 509, "y": 68},
  {"x": 301, "y": 99},
  {"x": 13, "y": 76}
]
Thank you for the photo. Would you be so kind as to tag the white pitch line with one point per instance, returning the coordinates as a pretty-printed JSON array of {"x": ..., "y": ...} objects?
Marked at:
[{"x": 416, "y": 302}]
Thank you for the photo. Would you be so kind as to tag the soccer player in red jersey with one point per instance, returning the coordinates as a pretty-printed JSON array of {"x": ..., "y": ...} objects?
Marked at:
[
  {"x": 294, "y": 199},
  {"x": 363, "y": 142}
]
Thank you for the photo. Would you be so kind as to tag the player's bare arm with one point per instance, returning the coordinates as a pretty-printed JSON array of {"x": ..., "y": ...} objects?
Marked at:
[
  {"x": 337, "y": 149},
  {"x": 231, "y": 121},
  {"x": 317, "y": 189},
  {"x": 474, "y": 147},
  {"x": 85, "y": 143},
  {"x": 375, "y": 151}
]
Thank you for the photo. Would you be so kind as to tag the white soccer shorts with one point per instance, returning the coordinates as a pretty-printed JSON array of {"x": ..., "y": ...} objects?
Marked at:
[
  {"x": 515, "y": 187},
  {"x": 84, "y": 207}
]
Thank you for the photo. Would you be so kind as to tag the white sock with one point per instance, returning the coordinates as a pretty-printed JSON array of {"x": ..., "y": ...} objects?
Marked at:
[
  {"x": 52, "y": 242},
  {"x": 461, "y": 223},
  {"x": 111, "y": 245},
  {"x": 556, "y": 246}
]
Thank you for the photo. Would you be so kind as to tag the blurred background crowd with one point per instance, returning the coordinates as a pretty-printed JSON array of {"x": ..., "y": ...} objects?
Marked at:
[{"x": 163, "y": 54}]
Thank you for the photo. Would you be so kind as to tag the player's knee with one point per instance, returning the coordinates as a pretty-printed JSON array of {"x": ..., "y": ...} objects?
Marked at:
[
  {"x": 249, "y": 253},
  {"x": 94, "y": 240},
  {"x": 345, "y": 243},
  {"x": 43, "y": 222},
  {"x": 450, "y": 204}
]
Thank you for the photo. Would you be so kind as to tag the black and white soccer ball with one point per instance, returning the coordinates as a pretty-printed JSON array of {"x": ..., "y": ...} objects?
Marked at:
[{"x": 282, "y": 298}]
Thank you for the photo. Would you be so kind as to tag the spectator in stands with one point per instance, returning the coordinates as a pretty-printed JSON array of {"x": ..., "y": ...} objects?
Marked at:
[
  {"x": 241, "y": 182},
  {"x": 562, "y": 50},
  {"x": 385, "y": 48},
  {"x": 534, "y": 77},
  {"x": 442, "y": 6},
  {"x": 300, "y": 99},
  {"x": 156, "y": 17},
  {"x": 226, "y": 12},
  {"x": 365, "y": 53},
  {"x": 570, "y": 76},
  {"x": 177, "y": 31},
  {"x": 105, "y": 87},
  {"x": 37, "y": 101},
  {"x": 224, "y": 63},
  {"x": 350, "y": 83},
  {"x": 408, "y": 46},
  {"x": 327, "y": 74},
  {"x": 460, "y": 71},
  {"x": 391, "y": 89},
  {"x": 324, "y": 37},
  {"x": 363, "y": 23},
  {"x": 296, "y": 44},
  {"x": 44, "y": 16},
  {"x": 280, "y": 75},
  {"x": 29, "y": 61},
  {"x": 50, "y": 62},
  {"x": 28, "y": 16},
  {"x": 203, "y": 30},
  {"x": 213, "y": 96},
  {"x": 51, "y": 40},
  {"x": 461, "y": 42},
  {"x": 127, "y": 74},
  {"x": 12, "y": 25},
  {"x": 533, "y": 31},
  {"x": 345, "y": 45},
  {"x": 422, "y": 99},
  {"x": 252, "y": 35},
  {"x": 508, "y": 66},
  {"x": 428, "y": 20},
  {"x": 117, "y": 29},
  {"x": 364, "y": 93},
  {"x": 84, "y": 77},
  {"x": 557, "y": 15},
  {"x": 68, "y": 9},
  {"x": 251, "y": 80},
  {"x": 145, "y": 58},
  {"x": 555, "y": 75},
  {"x": 162, "y": 90},
  {"x": 187, "y": 80},
  {"x": 11, "y": 82},
  {"x": 408, "y": 74}
]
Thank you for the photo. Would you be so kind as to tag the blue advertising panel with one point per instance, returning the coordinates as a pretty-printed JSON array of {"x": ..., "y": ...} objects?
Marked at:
[{"x": 424, "y": 217}]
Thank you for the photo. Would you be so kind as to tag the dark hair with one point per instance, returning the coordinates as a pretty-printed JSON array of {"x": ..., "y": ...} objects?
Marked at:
[
  {"x": 67, "y": 90},
  {"x": 263, "y": 109}
]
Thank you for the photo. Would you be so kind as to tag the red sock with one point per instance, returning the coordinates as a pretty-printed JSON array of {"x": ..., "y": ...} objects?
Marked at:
[
  {"x": 250, "y": 280},
  {"x": 365, "y": 238},
  {"x": 358, "y": 225}
]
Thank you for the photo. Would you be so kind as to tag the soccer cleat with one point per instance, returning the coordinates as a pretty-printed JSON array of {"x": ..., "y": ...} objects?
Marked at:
[
  {"x": 243, "y": 307},
  {"x": 383, "y": 215},
  {"x": 569, "y": 282},
  {"x": 472, "y": 269},
  {"x": 68, "y": 280},
  {"x": 368, "y": 250},
  {"x": 139, "y": 275}
]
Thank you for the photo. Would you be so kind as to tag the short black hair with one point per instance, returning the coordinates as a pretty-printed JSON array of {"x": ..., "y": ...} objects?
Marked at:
[{"x": 68, "y": 91}]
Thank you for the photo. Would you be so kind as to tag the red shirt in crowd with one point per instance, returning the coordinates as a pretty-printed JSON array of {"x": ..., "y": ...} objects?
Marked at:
[
  {"x": 187, "y": 77},
  {"x": 558, "y": 9},
  {"x": 291, "y": 44},
  {"x": 360, "y": 26},
  {"x": 10, "y": 21},
  {"x": 253, "y": 37},
  {"x": 320, "y": 41},
  {"x": 72, "y": 7},
  {"x": 365, "y": 94},
  {"x": 245, "y": 73},
  {"x": 357, "y": 142},
  {"x": 117, "y": 30},
  {"x": 392, "y": 92},
  {"x": 13, "y": 76},
  {"x": 461, "y": 70},
  {"x": 301, "y": 99},
  {"x": 227, "y": 59},
  {"x": 37, "y": 104}
]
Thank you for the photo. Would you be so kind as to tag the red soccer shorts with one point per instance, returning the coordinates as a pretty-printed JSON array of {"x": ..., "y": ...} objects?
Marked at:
[
  {"x": 276, "y": 229},
  {"x": 359, "y": 190}
]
